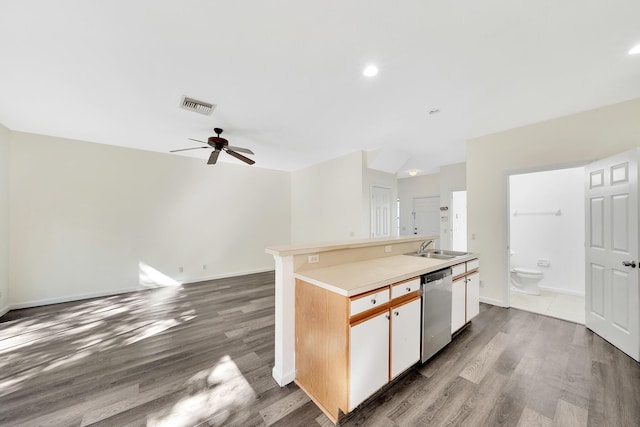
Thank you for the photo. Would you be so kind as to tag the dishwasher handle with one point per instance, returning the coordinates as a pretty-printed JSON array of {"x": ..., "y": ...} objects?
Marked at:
[{"x": 436, "y": 275}]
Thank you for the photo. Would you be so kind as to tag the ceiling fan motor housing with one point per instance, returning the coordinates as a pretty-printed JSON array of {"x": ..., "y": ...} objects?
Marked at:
[{"x": 217, "y": 142}]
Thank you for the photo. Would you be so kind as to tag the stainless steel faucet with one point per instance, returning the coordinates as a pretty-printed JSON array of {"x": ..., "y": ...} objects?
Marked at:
[{"x": 423, "y": 246}]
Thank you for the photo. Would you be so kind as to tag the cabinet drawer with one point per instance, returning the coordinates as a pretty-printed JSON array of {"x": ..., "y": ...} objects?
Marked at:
[
  {"x": 457, "y": 270},
  {"x": 473, "y": 264},
  {"x": 368, "y": 301},
  {"x": 405, "y": 288}
]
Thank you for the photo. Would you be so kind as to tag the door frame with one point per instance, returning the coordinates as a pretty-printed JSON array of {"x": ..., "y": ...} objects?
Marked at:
[{"x": 506, "y": 295}]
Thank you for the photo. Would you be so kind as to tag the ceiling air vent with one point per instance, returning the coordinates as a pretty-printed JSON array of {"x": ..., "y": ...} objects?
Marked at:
[{"x": 197, "y": 106}]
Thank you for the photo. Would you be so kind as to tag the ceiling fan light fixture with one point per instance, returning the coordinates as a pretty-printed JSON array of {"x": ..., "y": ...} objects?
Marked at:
[
  {"x": 370, "y": 71},
  {"x": 635, "y": 50}
]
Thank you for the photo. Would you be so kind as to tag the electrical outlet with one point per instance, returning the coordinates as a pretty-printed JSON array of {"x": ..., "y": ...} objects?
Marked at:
[
  {"x": 388, "y": 248},
  {"x": 314, "y": 258},
  {"x": 481, "y": 284},
  {"x": 180, "y": 269},
  {"x": 204, "y": 266}
]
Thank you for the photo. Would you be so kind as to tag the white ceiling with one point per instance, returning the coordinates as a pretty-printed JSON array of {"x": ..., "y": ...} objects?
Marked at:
[{"x": 287, "y": 75}]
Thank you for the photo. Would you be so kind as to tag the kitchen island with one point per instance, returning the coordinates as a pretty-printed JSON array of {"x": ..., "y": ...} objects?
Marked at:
[
  {"x": 359, "y": 325},
  {"x": 348, "y": 267}
]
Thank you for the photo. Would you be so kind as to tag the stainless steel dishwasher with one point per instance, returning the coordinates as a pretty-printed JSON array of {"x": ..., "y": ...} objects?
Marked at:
[{"x": 436, "y": 312}]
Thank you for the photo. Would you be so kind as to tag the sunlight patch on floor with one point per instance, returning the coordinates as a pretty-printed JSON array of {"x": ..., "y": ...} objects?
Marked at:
[
  {"x": 149, "y": 277},
  {"x": 218, "y": 395},
  {"x": 32, "y": 346}
]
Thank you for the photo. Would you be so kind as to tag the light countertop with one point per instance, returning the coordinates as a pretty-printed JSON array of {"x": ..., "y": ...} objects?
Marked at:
[
  {"x": 357, "y": 277},
  {"x": 300, "y": 249}
]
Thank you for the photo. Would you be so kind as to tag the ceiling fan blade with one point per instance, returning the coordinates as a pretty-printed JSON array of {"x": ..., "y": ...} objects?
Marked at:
[
  {"x": 240, "y": 157},
  {"x": 213, "y": 158},
  {"x": 197, "y": 140},
  {"x": 185, "y": 149},
  {"x": 240, "y": 149}
]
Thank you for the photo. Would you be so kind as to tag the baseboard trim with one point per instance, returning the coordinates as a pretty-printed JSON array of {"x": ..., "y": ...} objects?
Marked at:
[
  {"x": 226, "y": 275},
  {"x": 281, "y": 378},
  {"x": 70, "y": 298},
  {"x": 492, "y": 301},
  {"x": 4, "y": 310},
  {"x": 561, "y": 291}
]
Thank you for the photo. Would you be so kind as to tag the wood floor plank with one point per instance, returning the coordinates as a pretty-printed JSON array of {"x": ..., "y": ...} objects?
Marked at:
[
  {"x": 283, "y": 407},
  {"x": 568, "y": 415},
  {"x": 531, "y": 418},
  {"x": 485, "y": 359}
]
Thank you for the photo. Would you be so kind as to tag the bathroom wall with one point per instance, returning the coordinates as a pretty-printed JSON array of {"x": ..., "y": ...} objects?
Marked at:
[
  {"x": 536, "y": 234},
  {"x": 580, "y": 137}
]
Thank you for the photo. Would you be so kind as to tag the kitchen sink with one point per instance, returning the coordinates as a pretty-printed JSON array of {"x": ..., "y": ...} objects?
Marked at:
[{"x": 439, "y": 254}]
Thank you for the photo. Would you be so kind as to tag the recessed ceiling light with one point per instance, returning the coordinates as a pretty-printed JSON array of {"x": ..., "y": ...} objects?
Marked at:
[
  {"x": 370, "y": 71},
  {"x": 413, "y": 172},
  {"x": 635, "y": 50}
]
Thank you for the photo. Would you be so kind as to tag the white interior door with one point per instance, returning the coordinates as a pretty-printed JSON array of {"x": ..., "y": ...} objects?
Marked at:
[
  {"x": 426, "y": 216},
  {"x": 612, "y": 295},
  {"x": 380, "y": 211},
  {"x": 459, "y": 220}
]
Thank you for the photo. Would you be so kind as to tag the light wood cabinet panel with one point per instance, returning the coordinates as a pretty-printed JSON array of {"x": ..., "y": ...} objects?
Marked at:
[
  {"x": 368, "y": 358},
  {"x": 405, "y": 336},
  {"x": 343, "y": 345},
  {"x": 322, "y": 328}
]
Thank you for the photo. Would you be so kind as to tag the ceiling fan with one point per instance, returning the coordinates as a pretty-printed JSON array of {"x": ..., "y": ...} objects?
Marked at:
[{"x": 220, "y": 144}]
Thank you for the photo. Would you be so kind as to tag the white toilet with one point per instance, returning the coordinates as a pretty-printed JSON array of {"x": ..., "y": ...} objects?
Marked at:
[{"x": 526, "y": 280}]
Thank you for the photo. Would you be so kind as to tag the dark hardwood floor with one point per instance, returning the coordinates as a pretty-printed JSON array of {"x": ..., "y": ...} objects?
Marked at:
[{"x": 202, "y": 354}]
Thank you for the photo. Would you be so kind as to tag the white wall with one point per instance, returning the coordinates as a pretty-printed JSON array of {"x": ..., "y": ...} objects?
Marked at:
[
  {"x": 84, "y": 216},
  {"x": 557, "y": 238},
  {"x": 326, "y": 201},
  {"x": 4, "y": 219},
  {"x": 452, "y": 177},
  {"x": 410, "y": 188},
  {"x": 577, "y": 138}
]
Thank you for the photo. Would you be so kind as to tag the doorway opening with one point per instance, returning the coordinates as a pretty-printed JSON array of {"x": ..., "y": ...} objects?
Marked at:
[{"x": 546, "y": 243}]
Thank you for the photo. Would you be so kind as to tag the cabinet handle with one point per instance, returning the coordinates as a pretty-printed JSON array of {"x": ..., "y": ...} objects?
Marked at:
[
  {"x": 387, "y": 316},
  {"x": 408, "y": 289},
  {"x": 396, "y": 313},
  {"x": 373, "y": 301}
]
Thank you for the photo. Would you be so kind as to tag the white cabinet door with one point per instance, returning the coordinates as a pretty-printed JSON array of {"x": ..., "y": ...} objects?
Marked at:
[
  {"x": 473, "y": 295},
  {"x": 458, "y": 304},
  {"x": 368, "y": 358},
  {"x": 405, "y": 336}
]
